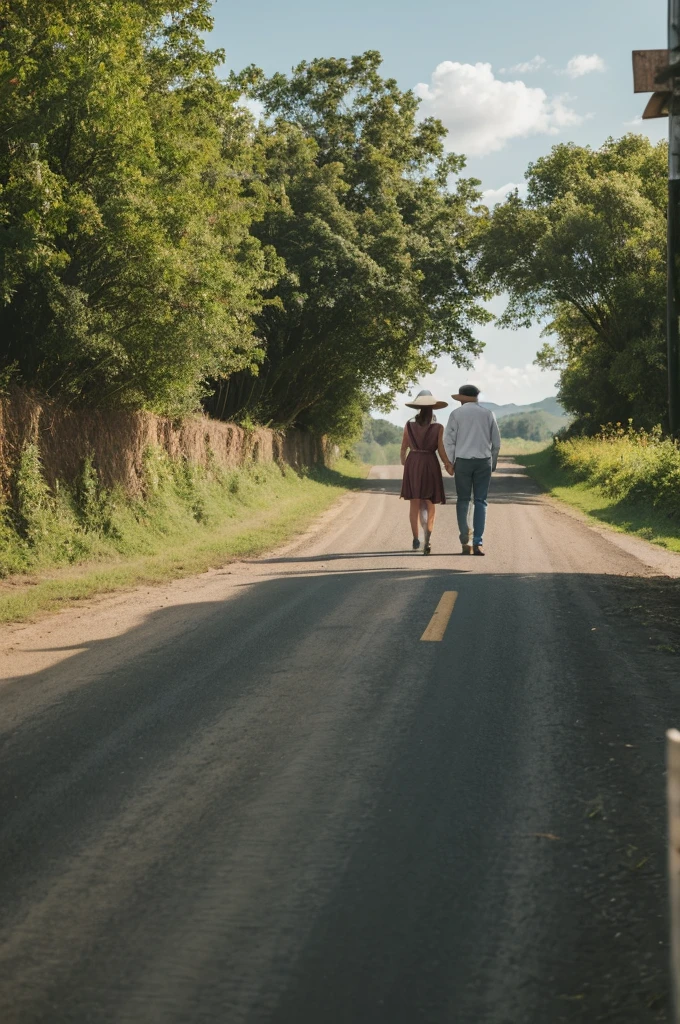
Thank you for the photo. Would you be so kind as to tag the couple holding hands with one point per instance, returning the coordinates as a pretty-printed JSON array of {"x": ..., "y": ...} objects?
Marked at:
[{"x": 468, "y": 448}]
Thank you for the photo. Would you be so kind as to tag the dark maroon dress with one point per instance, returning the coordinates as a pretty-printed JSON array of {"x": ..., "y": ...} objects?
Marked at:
[{"x": 422, "y": 471}]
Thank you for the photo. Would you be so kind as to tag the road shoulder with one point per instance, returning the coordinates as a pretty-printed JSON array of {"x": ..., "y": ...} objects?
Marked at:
[{"x": 651, "y": 554}]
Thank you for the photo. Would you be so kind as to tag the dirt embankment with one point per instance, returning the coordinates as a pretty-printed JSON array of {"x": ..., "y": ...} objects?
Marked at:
[{"x": 116, "y": 440}]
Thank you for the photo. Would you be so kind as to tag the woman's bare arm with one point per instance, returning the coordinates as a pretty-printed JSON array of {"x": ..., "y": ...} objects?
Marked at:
[
  {"x": 405, "y": 445},
  {"x": 448, "y": 466}
]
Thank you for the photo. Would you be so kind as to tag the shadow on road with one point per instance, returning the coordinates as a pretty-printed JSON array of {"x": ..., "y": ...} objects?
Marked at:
[
  {"x": 324, "y": 819},
  {"x": 353, "y": 556},
  {"x": 509, "y": 484}
]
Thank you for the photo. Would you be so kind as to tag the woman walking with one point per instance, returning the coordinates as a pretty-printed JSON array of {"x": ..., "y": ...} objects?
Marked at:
[{"x": 423, "y": 484}]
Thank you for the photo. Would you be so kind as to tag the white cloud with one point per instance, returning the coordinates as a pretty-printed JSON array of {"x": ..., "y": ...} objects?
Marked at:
[
  {"x": 528, "y": 66},
  {"x": 519, "y": 384},
  {"x": 483, "y": 113},
  {"x": 582, "y": 64},
  {"x": 492, "y": 196},
  {"x": 500, "y": 384}
]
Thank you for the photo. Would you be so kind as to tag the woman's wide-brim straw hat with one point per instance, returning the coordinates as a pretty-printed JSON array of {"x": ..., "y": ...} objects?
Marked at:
[{"x": 424, "y": 400}]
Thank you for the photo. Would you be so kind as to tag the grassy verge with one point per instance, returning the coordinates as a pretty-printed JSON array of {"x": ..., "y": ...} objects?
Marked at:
[
  {"x": 635, "y": 516},
  {"x": 188, "y": 522},
  {"x": 519, "y": 446}
]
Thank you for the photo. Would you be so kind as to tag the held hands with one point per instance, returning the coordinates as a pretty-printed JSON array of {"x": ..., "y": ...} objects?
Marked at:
[{"x": 449, "y": 467}]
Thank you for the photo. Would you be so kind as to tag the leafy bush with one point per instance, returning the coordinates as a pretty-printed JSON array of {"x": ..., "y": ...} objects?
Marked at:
[
  {"x": 626, "y": 464},
  {"x": 40, "y": 527}
]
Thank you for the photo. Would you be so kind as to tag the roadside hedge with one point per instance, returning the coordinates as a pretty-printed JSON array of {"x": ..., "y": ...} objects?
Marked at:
[{"x": 626, "y": 464}]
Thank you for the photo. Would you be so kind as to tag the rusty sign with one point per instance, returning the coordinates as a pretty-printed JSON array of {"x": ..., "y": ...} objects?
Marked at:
[
  {"x": 658, "y": 106},
  {"x": 647, "y": 65}
]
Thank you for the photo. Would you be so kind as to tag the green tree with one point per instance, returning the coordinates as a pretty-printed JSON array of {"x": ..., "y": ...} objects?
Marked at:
[
  {"x": 585, "y": 254},
  {"x": 385, "y": 432},
  {"x": 376, "y": 245},
  {"x": 128, "y": 272}
]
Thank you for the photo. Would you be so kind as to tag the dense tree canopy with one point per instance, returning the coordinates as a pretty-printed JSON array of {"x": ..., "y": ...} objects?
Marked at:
[
  {"x": 586, "y": 252},
  {"x": 376, "y": 245},
  {"x": 127, "y": 268},
  {"x": 158, "y": 246}
]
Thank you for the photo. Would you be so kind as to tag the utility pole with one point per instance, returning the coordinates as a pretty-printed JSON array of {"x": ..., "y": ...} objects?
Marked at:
[
  {"x": 658, "y": 72},
  {"x": 673, "y": 802},
  {"x": 673, "y": 285}
]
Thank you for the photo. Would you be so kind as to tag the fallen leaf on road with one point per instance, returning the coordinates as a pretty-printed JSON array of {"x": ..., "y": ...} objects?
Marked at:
[{"x": 543, "y": 835}]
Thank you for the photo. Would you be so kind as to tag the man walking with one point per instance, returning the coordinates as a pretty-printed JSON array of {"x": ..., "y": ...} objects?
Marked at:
[{"x": 472, "y": 441}]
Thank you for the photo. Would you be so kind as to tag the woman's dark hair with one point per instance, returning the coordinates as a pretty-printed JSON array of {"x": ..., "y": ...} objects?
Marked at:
[{"x": 424, "y": 417}]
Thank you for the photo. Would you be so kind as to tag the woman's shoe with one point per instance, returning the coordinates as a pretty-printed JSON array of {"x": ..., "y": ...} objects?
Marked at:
[
  {"x": 416, "y": 543},
  {"x": 427, "y": 548}
]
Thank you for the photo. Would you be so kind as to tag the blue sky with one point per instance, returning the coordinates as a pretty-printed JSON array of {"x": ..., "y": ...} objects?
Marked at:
[{"x": 508, "y": 80}]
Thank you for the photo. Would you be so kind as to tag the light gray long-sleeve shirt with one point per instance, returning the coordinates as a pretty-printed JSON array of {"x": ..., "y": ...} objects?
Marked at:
[{"x": 472, "y": 433}]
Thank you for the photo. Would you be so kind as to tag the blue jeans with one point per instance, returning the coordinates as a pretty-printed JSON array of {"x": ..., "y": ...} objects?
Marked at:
[{"x": 472, "y": 476}]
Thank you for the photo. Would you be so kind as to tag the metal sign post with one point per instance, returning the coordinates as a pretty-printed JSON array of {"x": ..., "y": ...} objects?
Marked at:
[
  {"x": 658, "y": 72},
  {"x": 673, "y": 287},
  {"x": 673, "y": 799}
]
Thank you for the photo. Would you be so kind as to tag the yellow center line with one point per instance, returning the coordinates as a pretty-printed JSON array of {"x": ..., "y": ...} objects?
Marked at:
[{"x": 440, "y": 620}]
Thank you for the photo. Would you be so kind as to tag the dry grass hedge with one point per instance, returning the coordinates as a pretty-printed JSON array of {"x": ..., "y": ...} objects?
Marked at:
[{"x": 116, "y": 442}]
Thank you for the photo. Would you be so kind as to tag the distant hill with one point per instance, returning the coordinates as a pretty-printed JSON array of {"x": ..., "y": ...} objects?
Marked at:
[
  {"x": 532, "y": 426},
  {"x": 538, "y": 422},
  {"x": 549, "y": 405}
]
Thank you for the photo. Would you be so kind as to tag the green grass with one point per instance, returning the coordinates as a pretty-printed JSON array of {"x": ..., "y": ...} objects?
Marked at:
[
  {"x": 520, "y": 446},
  {"x": 636, "y": 516},
  {"x": 188, "y": 522}
]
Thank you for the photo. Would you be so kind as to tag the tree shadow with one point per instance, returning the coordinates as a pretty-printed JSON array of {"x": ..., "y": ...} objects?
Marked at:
[
  {"x": 355, "y": 556},
  {"x": 641, "y": 520},
  {"x": 509, "y": 484},
  {"x": 325, "y": 819}
]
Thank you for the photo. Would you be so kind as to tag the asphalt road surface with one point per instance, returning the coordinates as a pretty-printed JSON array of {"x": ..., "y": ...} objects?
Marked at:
[{"x": 258, "y": 796}]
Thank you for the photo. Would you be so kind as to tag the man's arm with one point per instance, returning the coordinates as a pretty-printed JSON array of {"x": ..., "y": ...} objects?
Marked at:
[
  {"x": 450, "y": 435},
  {"x": 448, "y": 466},
  {"x": 495, "y": 441}
]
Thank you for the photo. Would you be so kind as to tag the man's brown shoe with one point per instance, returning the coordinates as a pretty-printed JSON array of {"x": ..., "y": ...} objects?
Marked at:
[
  {"x": 478, "y": 549},
  {"x": 467, "y": 550}
]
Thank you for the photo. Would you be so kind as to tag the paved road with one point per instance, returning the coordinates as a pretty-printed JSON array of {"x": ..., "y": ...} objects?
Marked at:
[{"x": 257, "y": 796}]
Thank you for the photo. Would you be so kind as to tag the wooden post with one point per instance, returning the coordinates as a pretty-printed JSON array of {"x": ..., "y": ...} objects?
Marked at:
[{"x": 673, "y": 799}]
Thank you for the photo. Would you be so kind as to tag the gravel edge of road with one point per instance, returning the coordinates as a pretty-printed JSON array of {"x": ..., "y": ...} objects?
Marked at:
[{"x": 650, "y": 554}]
